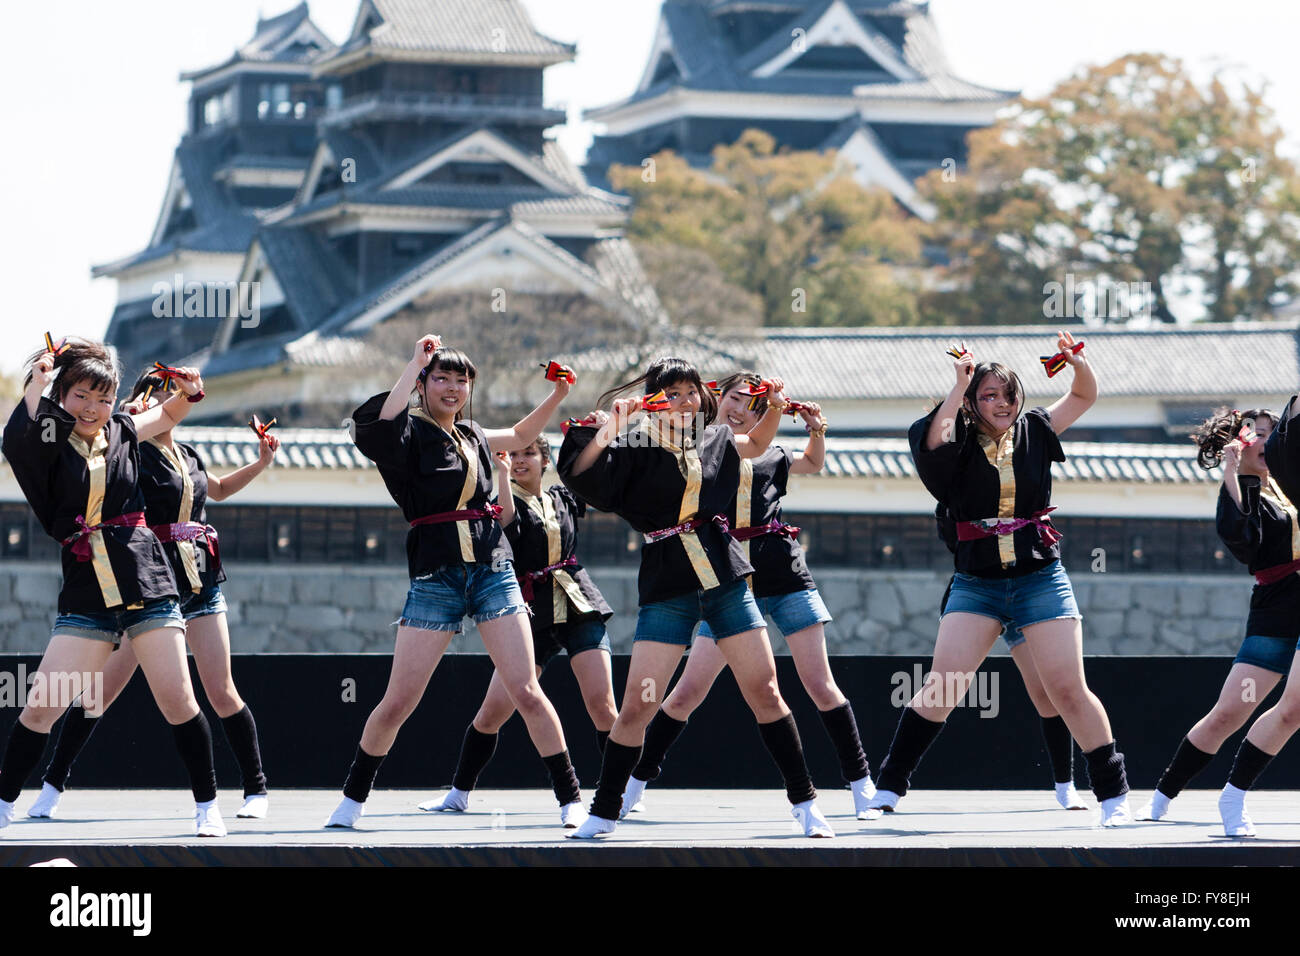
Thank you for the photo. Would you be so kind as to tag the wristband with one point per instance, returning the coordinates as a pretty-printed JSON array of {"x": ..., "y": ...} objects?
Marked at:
[
  {"x": 196, "y": 397},
  {"x": 819, "y": 433}
]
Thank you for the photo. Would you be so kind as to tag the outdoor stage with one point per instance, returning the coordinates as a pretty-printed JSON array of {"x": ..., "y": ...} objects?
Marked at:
[{"x": 952, "y": 828}]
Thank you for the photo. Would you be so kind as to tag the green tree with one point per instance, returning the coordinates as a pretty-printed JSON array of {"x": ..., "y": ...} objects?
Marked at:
[
  {"x": 791, "y": 229},
  {"x": 1125, "y": 173}
]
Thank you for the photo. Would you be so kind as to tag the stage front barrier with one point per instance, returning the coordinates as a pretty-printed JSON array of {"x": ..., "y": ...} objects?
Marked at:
[{"x": 310, "y": 709}]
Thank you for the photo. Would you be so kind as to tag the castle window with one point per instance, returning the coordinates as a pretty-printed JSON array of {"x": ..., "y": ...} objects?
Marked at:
[
  {"x": 218, "y": 108},
  {"x": 282, "y": 101}
]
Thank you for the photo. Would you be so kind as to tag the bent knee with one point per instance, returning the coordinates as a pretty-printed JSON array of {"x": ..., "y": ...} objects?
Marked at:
[
  {"x": 764, "y": 691},
  {"x": 394, "y": 710},
  {"x": 1289, "y": 714},
  {"x": 825, "y": 694},
  {"x": 1067, "y": 695},
  {"x": 528, "y": 696},
  {"x": 40, "y": 720},
  {"x": 225, "y": 700},
  {"x": 178, "y": 709},
  {"x": 1226, "y": 720}
]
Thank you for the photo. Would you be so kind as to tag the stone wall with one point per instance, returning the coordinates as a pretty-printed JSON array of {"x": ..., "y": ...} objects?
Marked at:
[{"x": 294, "y": 608}]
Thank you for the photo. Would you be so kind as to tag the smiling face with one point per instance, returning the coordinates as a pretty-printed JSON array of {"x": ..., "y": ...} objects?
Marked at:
[
  {"x": 444, "y": 392},
  {"x": 995, "y": 404},
  {"x": 733, "y": 410},
  {"x": 90, "y": 406},
  {"x": 527, "y": 465},
  {"x": 683, "y": 404}
]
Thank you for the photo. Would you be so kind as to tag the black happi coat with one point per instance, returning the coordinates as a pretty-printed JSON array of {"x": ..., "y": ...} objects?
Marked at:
[
  {"x": 777, "y": 559},
  {"x": 1282, "y": 454},
  {"x": 976, "y": 480},
  {"x": 165, "y": 493},
  {"x": 63, "y": 478},
  {"x": 425, "y": 470},
  {"x": 545, "y": 532},
  {"x": 653, "y": 485},
  {"x": 1265, "y": 533}
]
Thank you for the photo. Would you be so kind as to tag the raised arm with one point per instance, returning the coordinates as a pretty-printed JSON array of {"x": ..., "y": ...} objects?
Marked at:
[
  {"x": 1231, "y": 460},
  {"x": 165, "y": 416},
  {"x": 1067, "y": 409},
  {"x": 1238, "y": 519},
  {"x": 943, "y": 428},
  {"x": 42, "y": 375},
  {"x": 760, "y": 436},
  {"x": 813, "y": 458},
  {"x": 610, "y": 428},
  {"x": 400, "y": 395},
  {"x": 219, "y": 489},
  {"x": 531, "y": 425}
]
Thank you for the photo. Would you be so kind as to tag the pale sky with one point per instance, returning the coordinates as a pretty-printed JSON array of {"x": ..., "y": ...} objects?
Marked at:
[{"x": 93, "y": 107}]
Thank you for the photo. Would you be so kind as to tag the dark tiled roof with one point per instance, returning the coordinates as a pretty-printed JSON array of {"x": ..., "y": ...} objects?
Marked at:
[
  {"x": 618, "y": 265},
  {"x": 270, "y": 34},
  {"x": 591, "y": 205},
  {"x": 258, "y": 353},
  {"x": 197, "y": 165},
  {"x": 307, "y": 270},
  {"x": 875, "y": 458},
  {"x": 709, "y": 63},
  {"x": 500, "y": 28},
  {"x": 1085, "y": 461},
  {"x": 779, "y": 41},
  {"x": 371, "y": 297},
  {"x": 549, "y": 163},
  {"x": 350, "y": 144},
  {"x": 525, "y": 200},
  {"x": 557, "y": 162},
  {"x": 332, "y": 351},
  {"x": 301, "y": 448},
  {"x": 910, "y": 363}
]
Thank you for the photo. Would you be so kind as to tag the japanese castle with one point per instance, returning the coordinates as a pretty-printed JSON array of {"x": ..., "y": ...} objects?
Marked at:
[{"x": 342, "y": 183}]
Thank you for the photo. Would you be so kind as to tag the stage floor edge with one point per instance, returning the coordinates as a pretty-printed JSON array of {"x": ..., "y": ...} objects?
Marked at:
[{"x": 953, "y": 828}]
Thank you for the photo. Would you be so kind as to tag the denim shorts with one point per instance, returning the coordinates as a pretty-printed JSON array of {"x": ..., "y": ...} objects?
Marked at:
[
  {"x": 208, "y": 601},
  {"x": 573, "y": 639},
  {"x": 1013, "y": 637},
  {"x": 441, "y": 600},
  {"x": 727, "y": 610},
  {"x": 111, "y": 625},
  {"x": 1274, "y": 654},
  {"x": 1042, "y": 595},
  {"x": 791, "y": 613}
]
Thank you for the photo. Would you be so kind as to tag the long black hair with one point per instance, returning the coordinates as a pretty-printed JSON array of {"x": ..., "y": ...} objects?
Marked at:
[
  {"x": 971, "y": 402},
  {"x": 80, "y": 360},
  {"x": 1224, "y": 426},
  {"x": 447, "y": 359},
  {"x": 662, "y": 374}
]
